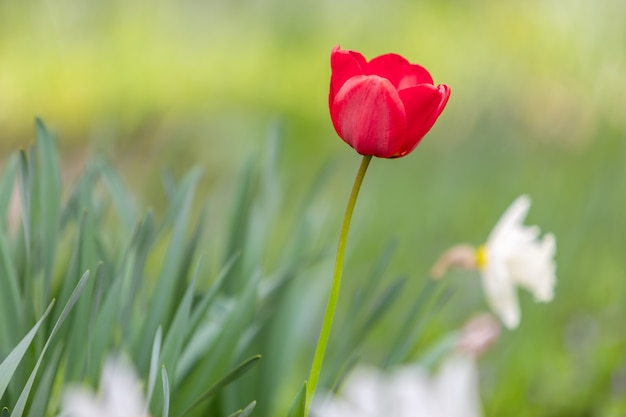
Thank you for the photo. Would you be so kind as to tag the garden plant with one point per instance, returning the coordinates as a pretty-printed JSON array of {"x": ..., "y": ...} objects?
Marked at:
[{"x": 111, "y": 309}]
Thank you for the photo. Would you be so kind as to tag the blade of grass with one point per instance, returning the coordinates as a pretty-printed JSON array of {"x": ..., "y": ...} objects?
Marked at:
[
  {"x": 154, "y": 365},
  {"x": 84, "y": 258},
  {"x": 245, "y": 412},
  {"x": 221, "y": 353},
  {"x": 25, "y": 193},
  {"x": 11, "y": 305},
  {"x": 10, "y": 363},
  {"x": 166, "y": 392},
  {"x": 7, "y": 186},
  {"x": 248, "y": 410},
  {"x": 162, "y": 300},
  {"x": 239, "y": 223},
  {"x": 49, "y": 188},
  {"x": 205, "y": 302},
  {"x": 121, "y": 199},
  {"x": 232, "y": 376},
  {"x": 298, "y": 405},
  {"x": 41, "y": 397},
  {"x": 107, "y": 318},
  {"x": 413, "y": 323},
  {"x": 21, "y": 401},
  {"x": 177, "y": 333}
]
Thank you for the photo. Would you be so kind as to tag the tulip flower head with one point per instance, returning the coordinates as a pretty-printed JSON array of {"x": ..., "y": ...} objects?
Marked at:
[
  {"x": 513, "y": 256},
  {"x": 385, "y": 106}
]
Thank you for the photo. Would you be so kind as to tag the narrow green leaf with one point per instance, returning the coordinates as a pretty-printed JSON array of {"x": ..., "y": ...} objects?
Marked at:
[
  {"x": 375, "y": 277},
  {"x": 7, "y": 186},
  {"x": 221, "y": 353},
  {"x": 188, "y": 259},
  {"x": 25, "y": 194},
  {"x": 41, "y": 397},
  {"x": 344, "y": 372},
  {"x": 239, "y": 224},
  {"x": 108, "y": 317},
  {"x": 297, "y": 408},
  {"x": 73, "y": 271},
  {"x": 245, "y": 412},
  {"x": 177, "y": 332},
  {"x": 229, "y": 378},
  {"x": 166, "y": 393},
  {"x": 413, "y": 323},
  {"x": 21, "y": 401},
  {"x": 162, "y": 300},
  {"x": 11, "y": 305},
  {"x": 154, "y": 364},
  {"x": 49, "y": 199},
  {"x": 179, "y": 328},
  {"x": 205, "y": 302},
  {"x": 94, "y": 339},
  {"x": 81, "y": 198},
  {"x": 380, "y": 307},
  {"x": 84, "y": 258},
  {"x": 10, "y": 363},
  {"x": 121, "y": 199},
  {"x": 248, "y": 410}
]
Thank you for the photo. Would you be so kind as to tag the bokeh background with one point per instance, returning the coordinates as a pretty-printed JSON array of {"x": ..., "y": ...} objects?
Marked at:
[{"x": 538, "y": 106}]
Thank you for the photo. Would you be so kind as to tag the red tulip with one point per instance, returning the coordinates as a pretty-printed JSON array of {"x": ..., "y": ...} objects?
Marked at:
[{"x": 383, "y": 107}]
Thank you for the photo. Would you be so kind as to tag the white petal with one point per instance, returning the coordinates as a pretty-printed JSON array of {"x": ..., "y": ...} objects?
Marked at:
[
  {"x": 79, "y": 402},
  {"x": 120, "y": 395},
  {"x": 458, "y": 380},
  {"x": 121, "y": 390},
  {"x": 408, "y": 392},
  {"x": 363, "y": 389},
  {"x": 411, "y": 394},
  {"x": 533, "y": 268},
  {"x": 501, "y": 293},
  {"x": 336, "y": 407},
  {"x": 512, "y": 217}
]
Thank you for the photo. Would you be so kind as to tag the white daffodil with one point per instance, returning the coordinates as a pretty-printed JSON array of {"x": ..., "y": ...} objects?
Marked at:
[
  {"x": 408, "y": 392},
  {"x": 514, "y": 256},
  {"x": 120, "y": 395}
]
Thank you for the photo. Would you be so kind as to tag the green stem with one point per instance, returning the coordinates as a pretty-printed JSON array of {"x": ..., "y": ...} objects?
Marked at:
[{"x": 322, "y": 342}]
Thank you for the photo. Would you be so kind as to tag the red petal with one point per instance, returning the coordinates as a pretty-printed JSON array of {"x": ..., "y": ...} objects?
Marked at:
[
  {"x": 398, "y": 71},
  {"x": 344, "y": 65},
  {"x": 423, "y": 105},
  {"x": 368, "y": 114}
]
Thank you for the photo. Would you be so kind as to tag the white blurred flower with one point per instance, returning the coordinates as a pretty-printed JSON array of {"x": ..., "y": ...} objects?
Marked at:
[
  {"x": 513, "y": 256},
  {"x": 120, "y": 395},
  {"x": 408, "y": 392}
]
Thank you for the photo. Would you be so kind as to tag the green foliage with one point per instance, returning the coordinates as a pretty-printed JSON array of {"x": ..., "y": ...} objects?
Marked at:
[
  {"x": 298, "y": 407},
  {"x": 155, "y": 295}
]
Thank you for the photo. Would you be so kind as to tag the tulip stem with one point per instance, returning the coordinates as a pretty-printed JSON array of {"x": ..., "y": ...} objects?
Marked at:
[{"x": 322, "y": 342}]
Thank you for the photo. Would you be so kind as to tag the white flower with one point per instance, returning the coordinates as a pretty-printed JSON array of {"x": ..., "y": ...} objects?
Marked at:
[
  {"x": 513, "y": 256},
  {"x": 408, "y": 392},
  {"x": 120, "y": 395}
]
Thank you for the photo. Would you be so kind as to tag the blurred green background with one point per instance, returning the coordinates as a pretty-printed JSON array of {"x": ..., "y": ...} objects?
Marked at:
[{"x": 538, "y": 106}]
